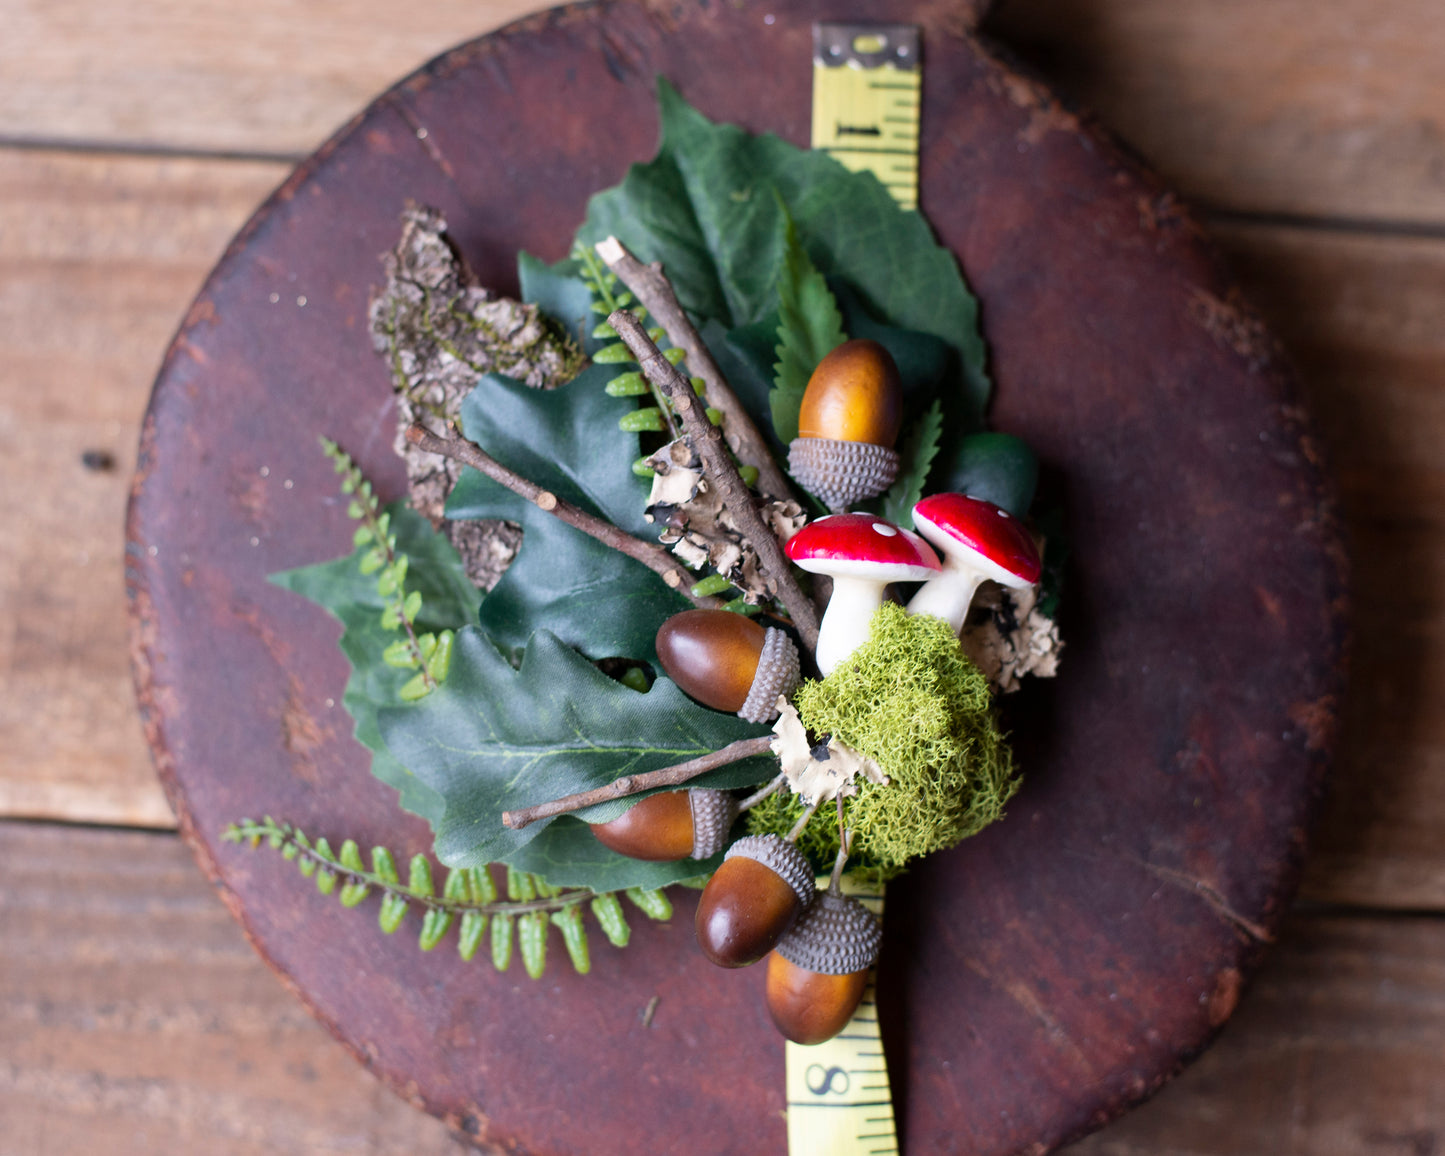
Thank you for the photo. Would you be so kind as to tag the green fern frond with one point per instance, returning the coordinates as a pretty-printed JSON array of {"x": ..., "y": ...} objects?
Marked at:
[
  {"x": 468, "y": 900},
  {"x": 430, "y": 655}
]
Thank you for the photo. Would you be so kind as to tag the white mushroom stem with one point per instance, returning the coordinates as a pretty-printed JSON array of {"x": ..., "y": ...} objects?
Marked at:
[
  {"x": 854, "y": 601},
  {"x": 949, "y": 593}
]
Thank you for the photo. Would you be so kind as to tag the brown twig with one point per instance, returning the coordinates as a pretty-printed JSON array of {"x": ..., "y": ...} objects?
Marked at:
[
  {"x": 651, "y": 286},
  {"x": 650, "y": 554},
  {"x": 634, "y": 784},
  {"x": 707, "y": 439}
]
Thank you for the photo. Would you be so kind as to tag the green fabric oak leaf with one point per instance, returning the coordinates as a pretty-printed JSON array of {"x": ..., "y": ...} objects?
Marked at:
[
  {"x": 449, "y": 602},
  {"x": 494, "y": 738}
]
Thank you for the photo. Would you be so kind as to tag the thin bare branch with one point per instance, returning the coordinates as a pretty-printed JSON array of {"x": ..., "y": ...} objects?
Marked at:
[
  {"x": 635, "y": 784},
  {"x": 650, "y": 554}
]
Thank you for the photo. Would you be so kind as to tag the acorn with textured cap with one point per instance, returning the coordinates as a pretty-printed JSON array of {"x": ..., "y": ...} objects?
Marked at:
[
  {"x": 819, "y": 970},
  {"x": 752, "y": 899},
  {"x": 691, "y": 824},
  {"x": 729, "y": 662},
  {"x": 850, "y": 416}
]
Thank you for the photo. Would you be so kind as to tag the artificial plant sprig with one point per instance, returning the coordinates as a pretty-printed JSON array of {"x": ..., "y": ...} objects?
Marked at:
[
  {"x": 429, "y": 654},
  {"x": 650, "y": 554},
  {"x": 627, "y": 785},
  {"x": 468, "y": 900},
  {"x": 607, "y": 300},
  {"x": 655, "y": 292},
  {"x": 707, "y": 440}
]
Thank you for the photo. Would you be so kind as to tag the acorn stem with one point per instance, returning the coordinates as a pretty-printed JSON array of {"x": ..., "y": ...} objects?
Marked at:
[
  {"x": 846, "y": 839},
  {"x": 762, "y": 793},
  {"x": 792, "y": 836}
]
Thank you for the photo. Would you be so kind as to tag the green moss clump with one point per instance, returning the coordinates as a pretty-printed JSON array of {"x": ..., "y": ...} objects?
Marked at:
[{"x": 911, "y": 700}]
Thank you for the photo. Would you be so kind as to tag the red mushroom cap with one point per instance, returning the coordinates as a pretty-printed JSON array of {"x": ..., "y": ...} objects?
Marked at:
[
  {"x": 983, "y": 527},
  {"x": 861, "y": 544}
]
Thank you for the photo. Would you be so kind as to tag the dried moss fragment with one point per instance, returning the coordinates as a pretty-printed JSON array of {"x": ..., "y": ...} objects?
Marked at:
[{"x": 910, "y": 699}]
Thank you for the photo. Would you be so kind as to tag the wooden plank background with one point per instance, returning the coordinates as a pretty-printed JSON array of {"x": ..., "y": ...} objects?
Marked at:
[{"x": 136, "y": 138}]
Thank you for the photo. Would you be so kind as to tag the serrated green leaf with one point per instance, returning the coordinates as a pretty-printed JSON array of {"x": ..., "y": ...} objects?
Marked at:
[
  {"x": 384, "y": 865},
  {"x": 325, "y": 880},
  {"x": 520, "y": 887},
  {"x": 651, "y": 902},
  {"x": 915, "y": 460},
  {"x": 415, "y": 689},
  {"x": 607, "y": 910},
  {"x": 400, "y": 655},
  {"x": 615, "y": 354},
  {"x": 574, "y": 935},
  {"x": 503, "y": 926},
  {"x": 481, "y": 885},
  {"x": 809, "y": 328},
  {"x": 532, "y": 942},
  {"x": 434, "y": 926},
  {"x": 705, "y": 208},
  {"x": 338, "y": 586},
  {"x": 495, "y": 738},
  {"x": 469, "y": 934},
  {"x": 353, "y": 893},
  {"x": 645, "y": 420},
  {"x": 628, "y": 385},
  {"x": 419, "y": 881},
  {"x": 392, "y": 912},
  {"x": 350, "y": 856}
]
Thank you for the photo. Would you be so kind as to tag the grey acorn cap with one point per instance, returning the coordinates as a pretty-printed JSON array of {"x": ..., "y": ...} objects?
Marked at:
[
  {"x": 777, "y": 674},
  {"x": 713, "y": 813},
  {"x": 785, "y": 860},
  {"x": 835, "y": 935},
  {"x": 840, "y": 473}
]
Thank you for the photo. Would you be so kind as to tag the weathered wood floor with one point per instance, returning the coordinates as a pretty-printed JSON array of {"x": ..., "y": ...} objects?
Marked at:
[{"x": 135, "y": 139}]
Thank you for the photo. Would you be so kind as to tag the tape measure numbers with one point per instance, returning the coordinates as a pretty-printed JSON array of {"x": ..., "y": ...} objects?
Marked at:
[
  {"x": 867, "y": 94},
  {"x": 839, "y": 1100}
]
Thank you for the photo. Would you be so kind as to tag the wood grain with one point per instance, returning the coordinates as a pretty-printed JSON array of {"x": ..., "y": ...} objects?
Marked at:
[
  {"x": 131, "y": 1005},
  {"x": 1364, "y": 317},
  {"x": 133, "y": 1009},
  {"x": 99, "y": 257},
  {"x": 268, "y": 77},
  {"x": 1290, "y": 106}
]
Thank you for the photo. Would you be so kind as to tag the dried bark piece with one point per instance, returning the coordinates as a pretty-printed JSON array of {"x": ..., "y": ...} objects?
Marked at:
[
  {"x": 441, "y": 332},
  {"x": 698, "y": 527},
  {"x": 1007, "y": 636}
]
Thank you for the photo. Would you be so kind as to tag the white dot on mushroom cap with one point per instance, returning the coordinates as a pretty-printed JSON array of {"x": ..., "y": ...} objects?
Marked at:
[
  {"x": 885, "y": 529},
  {"x": 1003, "y": 513}
]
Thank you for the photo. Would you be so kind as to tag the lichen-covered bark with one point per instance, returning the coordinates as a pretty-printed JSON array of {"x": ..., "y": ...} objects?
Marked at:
[{"x": 441, "y": 332}]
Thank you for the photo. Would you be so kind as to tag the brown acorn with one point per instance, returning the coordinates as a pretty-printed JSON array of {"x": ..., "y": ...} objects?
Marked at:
[
  {"x": 819, "y": 970},
  {"x": 729, "y": 662},
  {"x": 850, "y": 417},
  {"x": 752, "y": 899},
  {"x": 690, "y": 824}
]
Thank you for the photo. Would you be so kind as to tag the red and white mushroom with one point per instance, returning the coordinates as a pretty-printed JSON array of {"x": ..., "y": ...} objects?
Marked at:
[
  {"x": 979, "y": 541},
  {"x": 862, "y": 554}
]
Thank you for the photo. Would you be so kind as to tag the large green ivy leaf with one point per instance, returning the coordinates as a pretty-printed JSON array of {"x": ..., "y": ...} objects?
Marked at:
[
  {"x": 707, "y": 207},
  {"x": 449, "y": 602},
  {"x": 567, "y": 441},
  {"x": 494, "y": 738}
]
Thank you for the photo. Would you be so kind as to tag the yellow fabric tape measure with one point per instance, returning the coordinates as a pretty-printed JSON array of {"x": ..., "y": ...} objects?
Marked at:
[
  {"x": 867, "y": 93},
  {"x": 839, "y": 1099}
]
